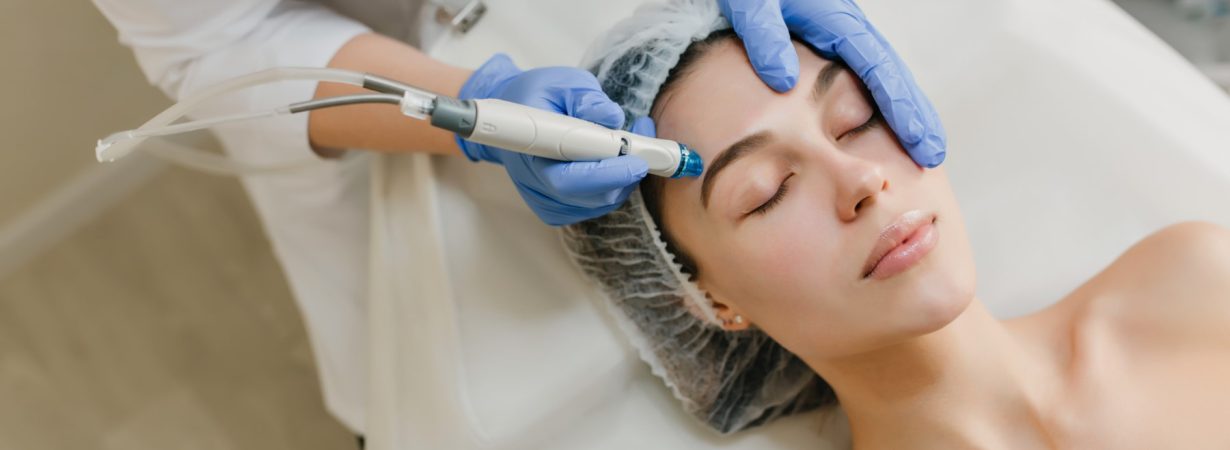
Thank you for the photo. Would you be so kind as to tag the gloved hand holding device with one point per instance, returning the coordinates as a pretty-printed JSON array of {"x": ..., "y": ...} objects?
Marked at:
[{"x": 559, "y": 192}]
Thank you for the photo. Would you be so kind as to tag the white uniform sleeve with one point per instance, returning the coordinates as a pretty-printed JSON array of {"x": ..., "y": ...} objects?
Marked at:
[{"x": 185, "y": 45}]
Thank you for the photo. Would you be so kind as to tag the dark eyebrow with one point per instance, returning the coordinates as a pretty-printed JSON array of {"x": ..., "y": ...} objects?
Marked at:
[
  {"x": 728, "y": 156},
  {"x": 825, "y": 80},
  {"x": 755, "y": 141}
]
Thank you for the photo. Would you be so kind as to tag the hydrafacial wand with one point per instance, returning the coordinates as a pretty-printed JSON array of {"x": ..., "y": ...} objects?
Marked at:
[{"x": 493, "y": 122}]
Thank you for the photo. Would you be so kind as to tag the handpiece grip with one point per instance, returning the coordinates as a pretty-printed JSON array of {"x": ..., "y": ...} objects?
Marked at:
[
  {"x": 533, "y": 131},
  {"x": 536, "y": 132}
]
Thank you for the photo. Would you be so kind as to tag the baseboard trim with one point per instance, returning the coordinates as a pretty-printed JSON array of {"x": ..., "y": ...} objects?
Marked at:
[{"x": 72, "y": 205}]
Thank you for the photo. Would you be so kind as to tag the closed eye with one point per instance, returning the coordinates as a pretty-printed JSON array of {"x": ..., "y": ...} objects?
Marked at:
[
  {"x": 875, "y": 120},
  {"x": 774, "y": 200}
]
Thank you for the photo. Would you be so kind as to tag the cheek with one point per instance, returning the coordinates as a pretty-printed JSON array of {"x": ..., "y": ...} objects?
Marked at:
[
  {"x": 959, "y": 254},
  {"x": 792, "y": 247},
  {"x": 789, "y": 271}
]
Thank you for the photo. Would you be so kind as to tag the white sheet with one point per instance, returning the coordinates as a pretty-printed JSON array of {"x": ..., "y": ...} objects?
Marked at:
[{"x": 1073, "y": 133}]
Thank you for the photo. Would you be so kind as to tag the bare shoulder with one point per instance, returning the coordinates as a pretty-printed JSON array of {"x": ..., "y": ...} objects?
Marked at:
[
  {"x": 1193, "y": 253},
  {"x": 1157, "y": 316},
  {"x": 1174, "y": 280}
]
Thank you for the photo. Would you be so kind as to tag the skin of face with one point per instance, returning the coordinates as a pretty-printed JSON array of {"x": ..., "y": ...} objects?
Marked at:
[{"x": 795, "y": 270}]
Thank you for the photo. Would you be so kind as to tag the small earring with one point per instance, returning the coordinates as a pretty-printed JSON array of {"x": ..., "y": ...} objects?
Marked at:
[{"x": 738, "y": 319}]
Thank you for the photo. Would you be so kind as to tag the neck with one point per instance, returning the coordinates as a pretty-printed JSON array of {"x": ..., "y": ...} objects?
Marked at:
[{"x": 971, "y": 384}]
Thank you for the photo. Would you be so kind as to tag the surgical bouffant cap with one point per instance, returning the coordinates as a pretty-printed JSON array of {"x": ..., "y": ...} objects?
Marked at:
[{"x": 730, "y": 380}]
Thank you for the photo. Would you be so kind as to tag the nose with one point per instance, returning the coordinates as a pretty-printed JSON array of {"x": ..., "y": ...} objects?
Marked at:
[{"x": 859, "y": 185}]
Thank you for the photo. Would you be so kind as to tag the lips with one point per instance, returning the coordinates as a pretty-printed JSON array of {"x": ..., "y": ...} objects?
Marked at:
[{"x": 894, "y": 234}]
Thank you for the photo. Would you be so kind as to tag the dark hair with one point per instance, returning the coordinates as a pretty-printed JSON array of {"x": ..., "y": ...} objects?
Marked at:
[{"x": 652, "y": 187}]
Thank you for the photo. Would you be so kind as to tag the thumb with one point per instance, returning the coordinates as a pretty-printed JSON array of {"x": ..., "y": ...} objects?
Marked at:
[
  {"x": 762, "y": 29},
  {"x": 644, "y": 126}
]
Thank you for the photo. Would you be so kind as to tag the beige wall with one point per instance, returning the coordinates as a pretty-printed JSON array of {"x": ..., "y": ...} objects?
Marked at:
[{"x": 67, "y": 82}]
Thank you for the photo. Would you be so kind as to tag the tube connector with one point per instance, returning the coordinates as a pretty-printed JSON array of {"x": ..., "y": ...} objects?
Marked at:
[
  {"x": 458, "y": 116},
  {"x": 417, "y": 106}
]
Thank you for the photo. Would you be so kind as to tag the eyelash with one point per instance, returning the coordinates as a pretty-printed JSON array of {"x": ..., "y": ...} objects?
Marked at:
[
  {"x": 872, "y": 122},
  {"x": 775, "y": 199}
]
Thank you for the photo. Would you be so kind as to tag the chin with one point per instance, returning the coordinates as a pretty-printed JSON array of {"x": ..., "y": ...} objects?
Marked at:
[
  {"x": 934, "y": 313},
  {"x": 935, "y": 298},
  {"x": 942, "y": 286}
]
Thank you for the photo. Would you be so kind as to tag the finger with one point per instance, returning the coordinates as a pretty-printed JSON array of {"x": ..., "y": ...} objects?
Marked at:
[
  {"x": 581, "y": 179},
  {"x": 841, "y": 31},
  {"x": 762, "y": 29},
  {"x": 823, "y": 24},
  {"x": 554, "y": 213},
  {"x": 908, "y": 112},
  {"x": 496, "y": 70},
  {"x": 622, "y": 197},
  {"x": 644, "y": 126},
  {"x": 931, "y": 152},
  {"x": 902, "y": 112},
  {"x": 549, "y": 211},
  {"x": 930, "y": 148},
  {"x": 595, "y": 106},
  {"x": 607, "y": 202}
]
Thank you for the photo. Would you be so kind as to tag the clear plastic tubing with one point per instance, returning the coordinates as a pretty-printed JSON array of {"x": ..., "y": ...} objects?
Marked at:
[{"x": 119, "y": 144}]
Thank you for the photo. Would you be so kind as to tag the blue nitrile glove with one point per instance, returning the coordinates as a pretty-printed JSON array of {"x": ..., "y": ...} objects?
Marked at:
[
  {"x": 560, "y": 192},
  {"x": 838, "y": 29}
]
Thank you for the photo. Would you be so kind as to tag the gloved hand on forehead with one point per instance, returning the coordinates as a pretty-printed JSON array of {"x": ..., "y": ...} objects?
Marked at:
[
  {"x": 838, "y": 29},
  {"x": 559, "y": 192}
]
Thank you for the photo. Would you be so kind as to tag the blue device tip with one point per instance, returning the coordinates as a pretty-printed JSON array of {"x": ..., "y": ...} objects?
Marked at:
[{"x": 690, "y": 164}]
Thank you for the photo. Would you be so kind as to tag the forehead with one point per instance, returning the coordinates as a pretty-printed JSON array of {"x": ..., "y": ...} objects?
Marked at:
[{"x": 721, "y": 99}]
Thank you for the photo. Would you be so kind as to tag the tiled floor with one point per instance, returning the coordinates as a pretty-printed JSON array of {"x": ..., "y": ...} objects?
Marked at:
[{"x": 164, "y": 324}]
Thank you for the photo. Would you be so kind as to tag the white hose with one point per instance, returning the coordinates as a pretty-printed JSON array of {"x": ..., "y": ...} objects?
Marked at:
[{"x": 121, "y": 144}]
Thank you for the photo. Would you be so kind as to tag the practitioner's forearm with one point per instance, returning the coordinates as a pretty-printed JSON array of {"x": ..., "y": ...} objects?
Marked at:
[{"x": 382, "y": 127}]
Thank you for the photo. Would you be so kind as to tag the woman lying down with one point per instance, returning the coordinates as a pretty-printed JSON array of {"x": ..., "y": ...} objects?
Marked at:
[{"x": 774, "y": 283}]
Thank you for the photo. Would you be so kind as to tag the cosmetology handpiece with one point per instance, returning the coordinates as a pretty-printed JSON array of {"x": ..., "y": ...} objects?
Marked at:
[{"x": 492, "y": 122}]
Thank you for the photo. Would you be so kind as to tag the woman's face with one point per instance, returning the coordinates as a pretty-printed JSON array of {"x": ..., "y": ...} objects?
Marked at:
[{"x": 784, "y": 231}]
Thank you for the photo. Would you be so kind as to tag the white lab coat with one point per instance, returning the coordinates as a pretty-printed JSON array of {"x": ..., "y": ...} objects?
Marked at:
[{"x": 318, "y": 219}]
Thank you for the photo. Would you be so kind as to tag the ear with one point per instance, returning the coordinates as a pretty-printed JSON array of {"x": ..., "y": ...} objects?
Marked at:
[{"x": 731, "y": 316}]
